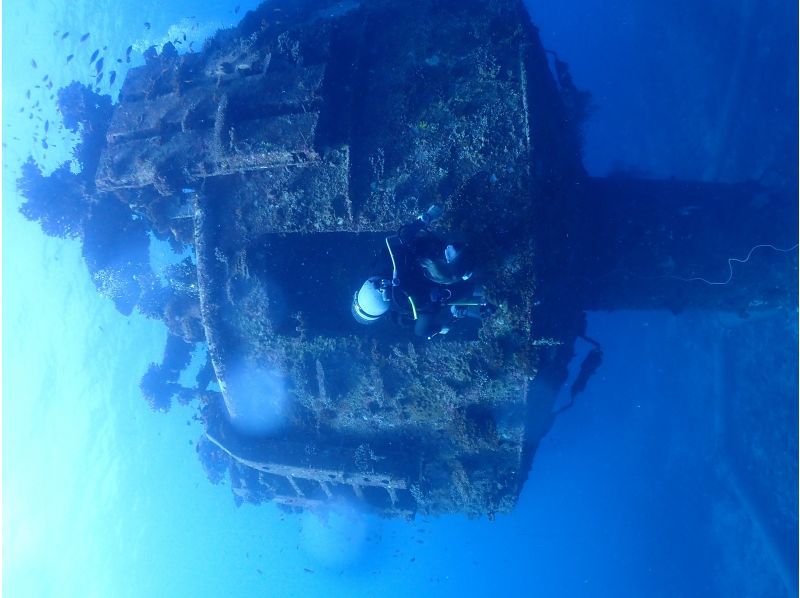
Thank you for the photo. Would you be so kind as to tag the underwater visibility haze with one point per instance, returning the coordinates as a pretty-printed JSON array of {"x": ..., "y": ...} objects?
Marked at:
[{"x": 571, "y": 371}]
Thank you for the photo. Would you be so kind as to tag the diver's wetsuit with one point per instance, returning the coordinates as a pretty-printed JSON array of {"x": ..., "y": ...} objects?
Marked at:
[{"x": 416, "y": 297}]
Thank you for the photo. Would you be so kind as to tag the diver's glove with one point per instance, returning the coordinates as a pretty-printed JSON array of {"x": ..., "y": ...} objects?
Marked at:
[
  {"x": 432, "y": 213},
  {"x": 458, "y": 311},
  {"x": 442, "y": 330}
]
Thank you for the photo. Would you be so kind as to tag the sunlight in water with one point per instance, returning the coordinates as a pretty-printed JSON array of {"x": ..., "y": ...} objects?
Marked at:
[{"x": 335, "y": 537}]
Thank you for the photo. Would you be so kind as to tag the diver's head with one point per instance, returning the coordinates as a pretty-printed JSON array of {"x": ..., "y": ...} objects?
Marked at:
[
  {"x": 371, "y": 301},
  {"x": 461, "y": 258},
  {"x": 456, "y": 266}
]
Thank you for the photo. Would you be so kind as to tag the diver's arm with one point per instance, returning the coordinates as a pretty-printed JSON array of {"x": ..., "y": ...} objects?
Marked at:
[{"x": 411, "y": 230}]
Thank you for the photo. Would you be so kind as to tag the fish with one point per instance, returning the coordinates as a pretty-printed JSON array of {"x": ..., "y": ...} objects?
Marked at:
[
  {"x": 236, "y": 10},
  {"x": 21, "y": 110},
  {"x": 307, "y": 570},
  {"x": 44, "y": 143},
  {"x": 146, "y": 25},
  {"x": 184, "y": 37},
  {"x": 119, "y": 60},
  {"x": 28, "y": 94},
  {"x": 260, "y": 572},
  {"x": 46, "y": 126},
  {"x": 99, "y": 78},
  {"x": 33, "y": 63},
  {"x": 99, "y": 65},
  {"x": 49, "y": 85},
  {"x": 65, "y": 36},
  {"x": 94, "y": 55},
  {"x": 70, "y": 57},
  {"x": 112, "y": 77},
  {"x": 84, "y": 37},
  {"x": 45, "y": 78}
]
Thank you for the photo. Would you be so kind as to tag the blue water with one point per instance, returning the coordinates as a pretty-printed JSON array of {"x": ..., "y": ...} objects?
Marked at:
[{"x": 630, "y": 494}]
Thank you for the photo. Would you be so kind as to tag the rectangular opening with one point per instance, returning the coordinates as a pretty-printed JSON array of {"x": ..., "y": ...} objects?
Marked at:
[{"x": 315, "y": 276}]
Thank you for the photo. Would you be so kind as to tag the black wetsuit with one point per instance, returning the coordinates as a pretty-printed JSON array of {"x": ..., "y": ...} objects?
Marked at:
[{"x": 416, "y": 298}]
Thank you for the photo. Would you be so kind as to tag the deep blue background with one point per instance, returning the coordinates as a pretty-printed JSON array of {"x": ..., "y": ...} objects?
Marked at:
[{"x": 633, "y": 493}]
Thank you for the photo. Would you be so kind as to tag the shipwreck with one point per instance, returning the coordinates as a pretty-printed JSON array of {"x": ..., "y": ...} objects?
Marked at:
[{"x": 279, "y": 158}]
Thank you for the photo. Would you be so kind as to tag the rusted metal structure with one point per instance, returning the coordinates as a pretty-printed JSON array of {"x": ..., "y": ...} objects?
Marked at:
[
  {"x": 307, "y": 134},
  {"x": 286, "y": 151}
]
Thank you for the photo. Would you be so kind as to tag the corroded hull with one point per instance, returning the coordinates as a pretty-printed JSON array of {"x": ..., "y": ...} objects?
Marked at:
[{"x": 307, "y": 134}]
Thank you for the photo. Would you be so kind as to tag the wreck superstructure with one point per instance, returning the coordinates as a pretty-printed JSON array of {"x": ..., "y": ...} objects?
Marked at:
[
  {"x": 305, "y": 141},
  {"x": 287, "y": 150}
]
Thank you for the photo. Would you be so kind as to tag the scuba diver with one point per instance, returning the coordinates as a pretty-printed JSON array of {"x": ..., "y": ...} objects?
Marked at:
[{"x": 431, "y": 285}]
